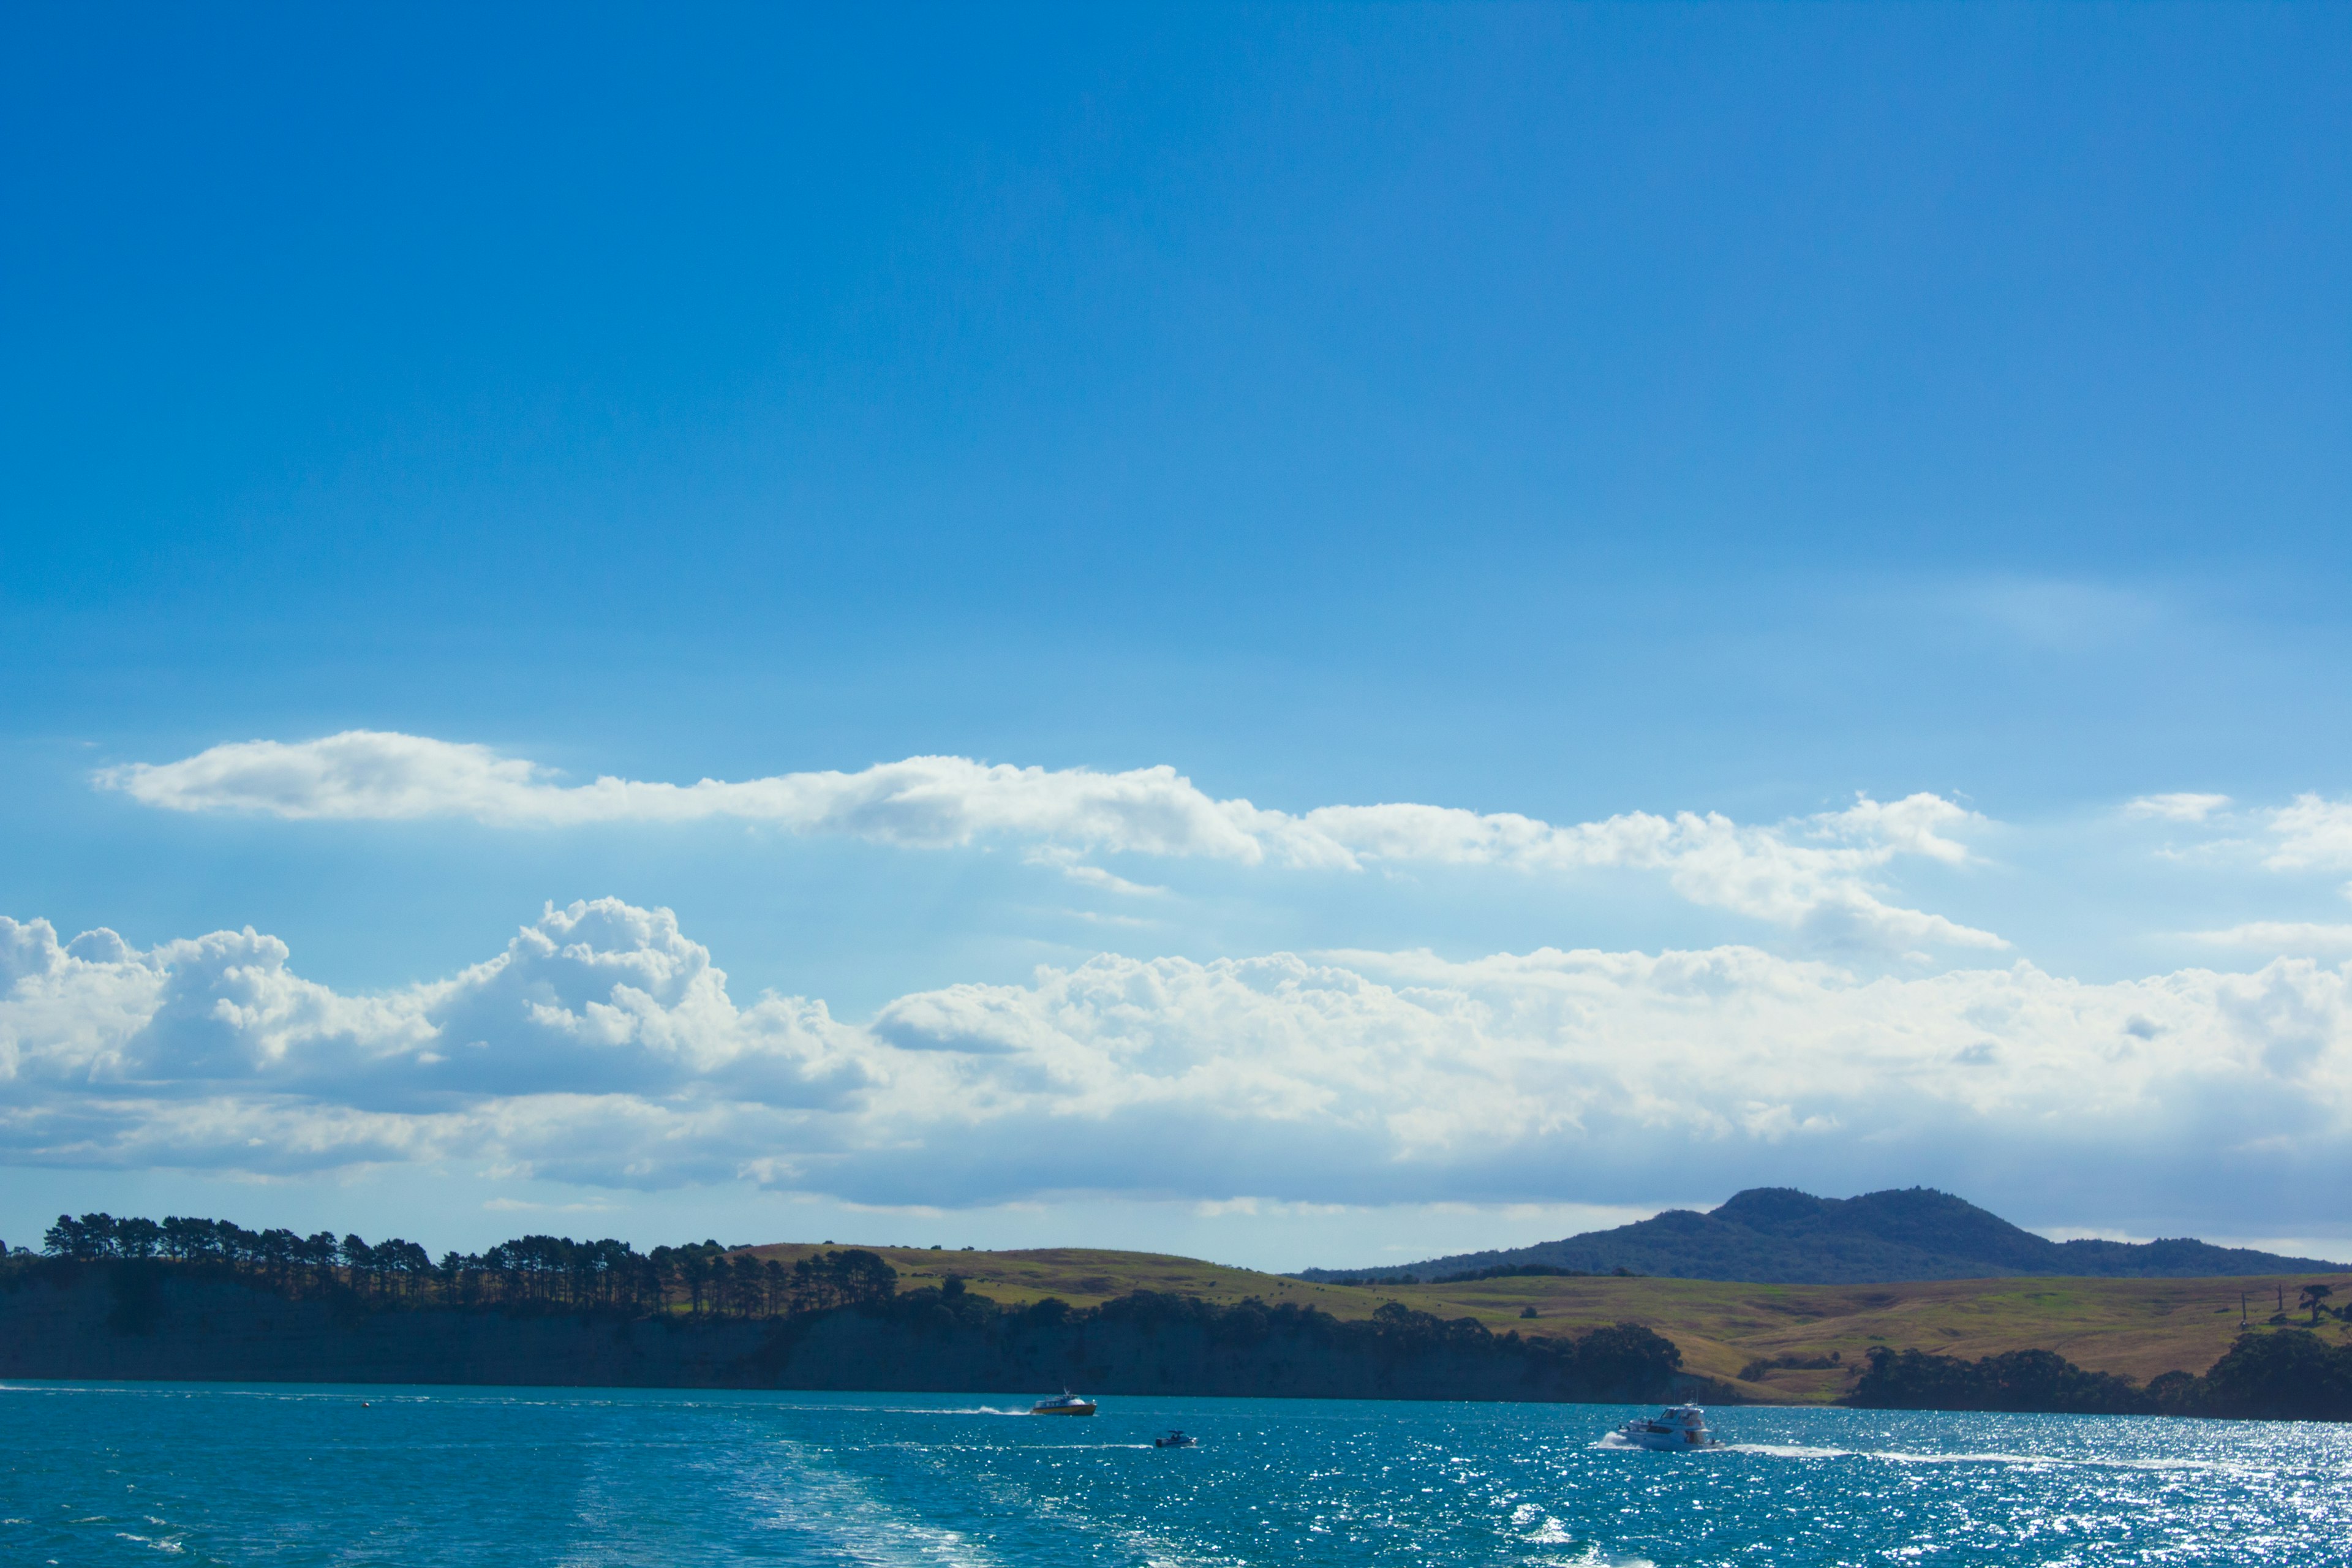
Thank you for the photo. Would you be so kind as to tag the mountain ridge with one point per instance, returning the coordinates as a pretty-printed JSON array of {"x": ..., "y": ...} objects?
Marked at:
[{"x": 1783, "y": 1236}]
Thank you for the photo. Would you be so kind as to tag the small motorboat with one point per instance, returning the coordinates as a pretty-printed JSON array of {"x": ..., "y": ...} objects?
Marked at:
[
  {"x": 1063, "y": 1403},
  {"x": 1678, "y": 1427},
  {"x": 1175, "y": 1440}
]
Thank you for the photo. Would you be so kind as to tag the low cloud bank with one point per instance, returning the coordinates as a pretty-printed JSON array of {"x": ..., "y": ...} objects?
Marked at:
[
  {"x": 603, "y": 1047},
  {"x": 1811, "y": 874}
]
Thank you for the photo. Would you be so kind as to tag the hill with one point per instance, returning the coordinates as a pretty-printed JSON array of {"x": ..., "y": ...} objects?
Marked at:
[
  {"x": 1778, "y": 1234},
  {"x": 1773, "y": 1341},
  {"x": 1805, "y": 1343},
  {"x": 97, "y": 1304},
  {"x": 151, "y": 1320}
]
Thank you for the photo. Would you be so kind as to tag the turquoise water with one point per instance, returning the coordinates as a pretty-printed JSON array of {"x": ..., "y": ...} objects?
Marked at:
[{"x": 106, "y": 1474}]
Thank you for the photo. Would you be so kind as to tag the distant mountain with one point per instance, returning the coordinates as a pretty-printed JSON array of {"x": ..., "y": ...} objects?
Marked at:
[{"x": 1778, "y": 1234}]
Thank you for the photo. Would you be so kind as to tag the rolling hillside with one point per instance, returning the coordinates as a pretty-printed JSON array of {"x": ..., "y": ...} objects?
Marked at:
[
  {"x": 2137, "y": 1327},
  {"x": 1783, "y": 1235}
]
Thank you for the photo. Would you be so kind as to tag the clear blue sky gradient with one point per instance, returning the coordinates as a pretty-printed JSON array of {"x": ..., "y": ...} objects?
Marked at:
[{"x": 1565, "y": 410}]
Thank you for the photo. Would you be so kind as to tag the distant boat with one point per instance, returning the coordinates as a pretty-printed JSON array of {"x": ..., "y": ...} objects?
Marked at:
[
  {"x": 1175, "y": 1440},
  {"x": 1063, "y": 1403},
  {"x": 1678, "y": 1427}
]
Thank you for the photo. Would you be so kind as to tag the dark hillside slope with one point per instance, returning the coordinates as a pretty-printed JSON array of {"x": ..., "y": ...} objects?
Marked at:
[
  {"x": 149, "y": 1320},
  {"x": 1780, "y": 1235}
]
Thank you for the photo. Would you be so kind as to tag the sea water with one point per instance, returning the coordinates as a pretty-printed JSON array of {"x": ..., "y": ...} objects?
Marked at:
[{"x": 104, "y": 1474}]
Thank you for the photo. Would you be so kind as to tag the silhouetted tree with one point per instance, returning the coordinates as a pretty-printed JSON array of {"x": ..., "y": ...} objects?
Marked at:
[
  {"x": 540, "y": 1270},
  {"x": 137, "y": 1238},
  {"x": 83, "y": 1240},
  {"x": 694, "y": 1273},
  {"x": 359, "y": 1259}
]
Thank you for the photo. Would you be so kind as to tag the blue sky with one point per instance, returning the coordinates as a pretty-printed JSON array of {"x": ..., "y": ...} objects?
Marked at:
[{"x": 1588, "y": 416}]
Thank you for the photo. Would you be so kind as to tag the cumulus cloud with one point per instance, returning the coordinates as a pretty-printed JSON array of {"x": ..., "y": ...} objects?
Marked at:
[
  {"x": 2180, "y": 807},
  {"x": 603, "y": 1047},
  {"x": 1813, "y": 873},
  {"x": 120, "y": 1056}
]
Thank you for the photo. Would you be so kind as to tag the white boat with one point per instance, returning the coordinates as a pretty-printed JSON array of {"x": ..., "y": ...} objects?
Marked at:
[
  {"x": 1065, "y": 1404},
  {"x": 1679, "y": 1427}
]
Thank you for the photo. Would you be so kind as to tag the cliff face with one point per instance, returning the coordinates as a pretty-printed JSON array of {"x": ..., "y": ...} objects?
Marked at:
[{"x": 146, "y": 1323}]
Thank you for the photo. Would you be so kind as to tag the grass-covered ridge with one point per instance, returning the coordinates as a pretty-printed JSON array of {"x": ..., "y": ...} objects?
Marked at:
[
  {"x": 1784, "y": 1236},
  {"x": 2133, "y": 1327},
  {"x": 1767, "y": 1341}
]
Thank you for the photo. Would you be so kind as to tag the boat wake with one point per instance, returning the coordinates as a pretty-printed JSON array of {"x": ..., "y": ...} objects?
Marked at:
[
  {"x": 1593, "y": 1557},
  {"x": 1900, "y": 1457},
  {"x": 1616, "y": 1443},
  {"x": 838, "y": 1515},
  {"x": 1537, "y": 1528}
]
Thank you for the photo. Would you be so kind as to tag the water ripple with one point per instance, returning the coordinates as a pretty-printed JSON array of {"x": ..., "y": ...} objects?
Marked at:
[{"x": 605, "y": 1479}]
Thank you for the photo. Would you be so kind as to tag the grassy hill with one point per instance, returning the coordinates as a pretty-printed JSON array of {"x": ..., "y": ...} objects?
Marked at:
[
  {"x": 1917, "y": 1232},
  {"x": 1084, "y": 1276},
  {"x": 2135, "y": 1327}
]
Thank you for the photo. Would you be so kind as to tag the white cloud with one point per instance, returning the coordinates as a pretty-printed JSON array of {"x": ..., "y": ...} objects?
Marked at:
[
  {"x": 2314, "y": 832},
  {"x": 922, "y": 801},
  {"x": 603, "y": 1047},
  {"x": 1812, "y": 873},
  {"x": 1067, "y": 861},
  {"x": 1807, "y": 873},
  {"x": 2281, "y": 936},
  {"x": 601, "y": 998},
  {"x": 2181, "y": 807}
]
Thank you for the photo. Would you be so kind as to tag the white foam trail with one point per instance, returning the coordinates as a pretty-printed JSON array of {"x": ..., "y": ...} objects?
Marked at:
[
  {"x": 1789, "y": 1450},
  {"x": 846, "y": 1514},
  {"x": 2046, "y": 1459},
  {"x": 1613, "y": 1443},
  {"x": 167, "y": 1543},
  {"x": 1593, "y": 1557},
  {"x": 1551, "y": 1532},
  {"x": 1900, "y": 1457}
]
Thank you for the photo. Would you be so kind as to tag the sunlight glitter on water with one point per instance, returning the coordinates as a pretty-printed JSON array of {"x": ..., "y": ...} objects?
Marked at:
[{"x": 609, "y": 1478}]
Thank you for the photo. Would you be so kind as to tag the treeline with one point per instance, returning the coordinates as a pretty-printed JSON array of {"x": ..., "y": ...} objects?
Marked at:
[
  {"x": 156, "y": 1318},
  {"x": 1154, "y": 1341},
  {"x": 2290, "y": 1374},
  {"x": 548, "y": 1271},
  {"x": 1499, "y": 1271},
  {"x": 1527, "y": 1271},
  {"x": 558, "y": 1274},
  {"x": 1617, "y": 1356}
]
